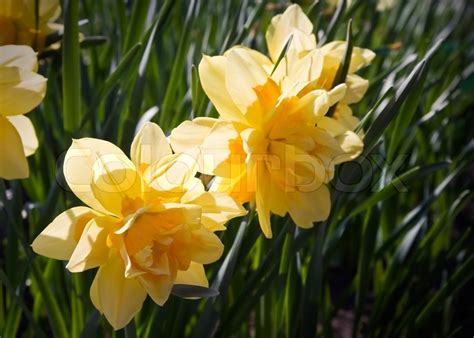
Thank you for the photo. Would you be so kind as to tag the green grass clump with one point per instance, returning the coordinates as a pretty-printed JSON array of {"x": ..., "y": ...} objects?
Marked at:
[{"x": 396, "y": 256}]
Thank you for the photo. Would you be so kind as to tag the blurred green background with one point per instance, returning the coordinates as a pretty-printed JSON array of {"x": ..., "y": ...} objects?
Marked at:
[{"x": 396, "y": 256}]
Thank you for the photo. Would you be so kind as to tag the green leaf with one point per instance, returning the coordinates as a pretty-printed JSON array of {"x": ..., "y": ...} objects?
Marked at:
[
  {"x": 334, "y": 24},
  {"x": 400, "y": 182},
  {"x": 169, "y": 104},
  {"x": 71, "y": 71},
  {"x": 344, "y": 66},
  {"x": 282, "y": 53},
  {"x": 392, "y": 108},
  {"x": 462, "y": 275},
  {"x": 210, "y": 317},
  {"x": 137, "y": 23},
  {"x": 188, "y": 291},
  {"x": 123, "y": 71}
]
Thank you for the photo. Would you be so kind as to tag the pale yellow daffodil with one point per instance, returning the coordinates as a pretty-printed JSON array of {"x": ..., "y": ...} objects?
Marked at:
[
  {"x": 21, "y": 90},
  {"x": 273, "y": 145},
  {"x": 22, "y": 24},
  {"x": 148, "y": 223},
  {"x": 304, "y": 60},
  {"x": 274, "y": 148}
]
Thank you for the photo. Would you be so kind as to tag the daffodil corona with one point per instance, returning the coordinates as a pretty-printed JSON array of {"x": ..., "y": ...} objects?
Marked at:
[
  {"x": 21, "y": 23},
  {"x": 273, "y": 144},
  {"x": 21, "y": 90},
  {"x": 148, "y": 223}
]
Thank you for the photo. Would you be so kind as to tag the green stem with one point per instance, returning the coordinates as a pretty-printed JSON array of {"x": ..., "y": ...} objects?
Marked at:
[{"x": 55, "y": 316}]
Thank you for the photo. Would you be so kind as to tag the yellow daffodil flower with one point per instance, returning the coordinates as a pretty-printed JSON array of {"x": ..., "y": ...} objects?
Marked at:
[
  {"x": 19, "y": 24},
  {"x": 304, "y": 60},
  {"x": 273, "y": 144},
  {"x": 21, "y": 90},
  {"x": 272, "y": 147},
  {"x": 148, "y": 223}
]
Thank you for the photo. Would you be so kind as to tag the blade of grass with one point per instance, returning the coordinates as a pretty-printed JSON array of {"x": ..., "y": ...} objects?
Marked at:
[
  {"x": 334, "y": 24},
  {"x": 462, "y": 275},
  {"x": 169, "y": 100},
  {"x": 208, "y": 321},
  {"x": 344, "y": 66},
  {"x": 137, "y": 23},
  {"x": 282, "y": 53},
  {"x": 71, "y": 67}
]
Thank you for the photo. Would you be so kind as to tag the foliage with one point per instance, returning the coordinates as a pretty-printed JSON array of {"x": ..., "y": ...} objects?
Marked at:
[{"x": 396, "y": 256}]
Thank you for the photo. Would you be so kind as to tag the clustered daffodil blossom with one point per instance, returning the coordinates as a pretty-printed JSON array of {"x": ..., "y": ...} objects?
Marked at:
[
  {"x": 21, "y": 90},
  {"x": 20, "y": 25},
  {"x": 317, "y": 65},
  {"x": 273, "y": 144},
  {"x": 148, "y": 223}
]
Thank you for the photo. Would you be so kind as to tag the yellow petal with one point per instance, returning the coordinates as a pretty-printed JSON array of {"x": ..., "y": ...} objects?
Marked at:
[
  {"x": 11, "y": 8},
  {"x": 117, "y": 297},
  {"x": 20, "y": 90},
  {"x": 327, "y": 100},
  {"x": 59, "y": 239},
  {"x": 307, "y": 68},
  {"x": 242, "y": 75},
  {"x": 360, "y": 57},
  {"x": 49, "y": 10},
  {"x": 295, "y": 167},
  {"x": 27, "y": 133},
  {"x": 292, "y": 22},
  {"x": 350, "y": 142},
  {"x": 206, "y": 139},
  {"x": 356, "y": 88},
  {"x": 94, "y": 294},
  {"x": 190, "y": 134},
  {"x": 237, "y": 184},
  {"x": 195, "y": 275},
  {"x": 343, "y": 114},
  {"x": 172, "y": 173},
  {"x": 305, "y": 208},
  {"x": 86, "y": 155},
  {"x": 23, "y": 57},
  {"x": 13, "y": 164},
  {"x": 212, "y": 76},
  {"x": 262, "y": 198},
  {"x": 115, "y": 180},
  {"x": 206, "y": 247},
  {"x": 317, "y": 102},
  {"x": 217, "y": 208},
  {"x": 277, "y": 200},
  {"x": 181, "y": 213},
  {"x": 148, "y": 146},
  {"x": 157, "y": 287},
  {"x": 337, "y": 93},
  {"x": 91, "y": 249}
]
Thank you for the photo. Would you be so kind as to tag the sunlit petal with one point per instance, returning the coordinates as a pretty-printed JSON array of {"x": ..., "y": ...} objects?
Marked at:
[
  {"x": 26, "y": 130},
  {"x": 117, "y": 297},
  {"x": 22, "y": 57},
  {"x": 20, "y": 90},
  {"x": 59, "y": 239},
  {"x": 13, "y": 162},
  {"x": 149, "y": 146}
]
